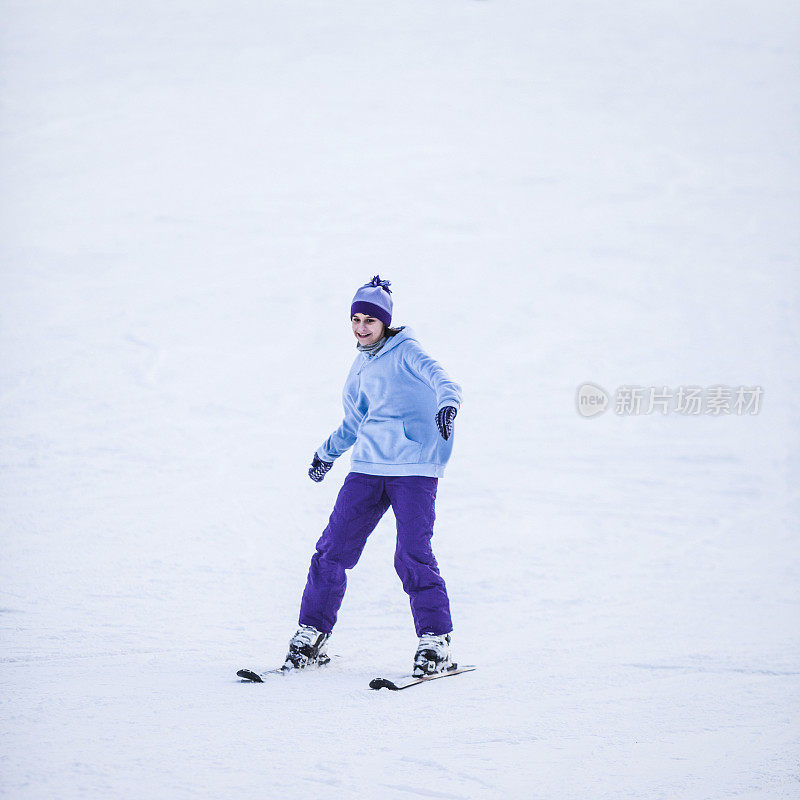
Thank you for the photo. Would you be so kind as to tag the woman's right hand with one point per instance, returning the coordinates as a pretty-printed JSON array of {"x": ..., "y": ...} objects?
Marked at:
[{"x": 319, "y": 468}]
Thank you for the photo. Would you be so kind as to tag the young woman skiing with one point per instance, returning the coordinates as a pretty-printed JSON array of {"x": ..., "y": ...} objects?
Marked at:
[{"x": 399, "y": 407}]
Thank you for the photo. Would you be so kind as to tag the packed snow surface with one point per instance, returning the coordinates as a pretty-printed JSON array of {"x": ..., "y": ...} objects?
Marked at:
[{"x": 560, "y": 193}]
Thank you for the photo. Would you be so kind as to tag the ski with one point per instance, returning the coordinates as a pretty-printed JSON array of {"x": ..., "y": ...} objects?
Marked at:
[
  {"x": 251, "y": 676},
  {"x": 248, "y": 676},
  {"x": 410, "y": 680}
]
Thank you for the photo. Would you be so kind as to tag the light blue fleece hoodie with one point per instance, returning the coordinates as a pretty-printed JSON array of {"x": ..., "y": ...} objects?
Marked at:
[{"x": 390, "y": 403}]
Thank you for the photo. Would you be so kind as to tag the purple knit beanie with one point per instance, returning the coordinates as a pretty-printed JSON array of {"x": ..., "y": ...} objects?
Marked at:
[{"x": 375, "y": 299}]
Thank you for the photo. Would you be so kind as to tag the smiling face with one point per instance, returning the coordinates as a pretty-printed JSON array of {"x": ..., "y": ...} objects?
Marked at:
[{"x": 367, "y": 329}]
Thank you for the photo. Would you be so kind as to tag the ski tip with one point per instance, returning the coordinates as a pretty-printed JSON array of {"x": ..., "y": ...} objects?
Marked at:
[
  {"x": 248, "y": 676},
  {"x": 381, "y": 683}
]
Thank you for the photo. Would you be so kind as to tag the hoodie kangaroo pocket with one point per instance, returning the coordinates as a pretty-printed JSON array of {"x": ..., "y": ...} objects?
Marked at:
[{"x": 385, "y": 442}]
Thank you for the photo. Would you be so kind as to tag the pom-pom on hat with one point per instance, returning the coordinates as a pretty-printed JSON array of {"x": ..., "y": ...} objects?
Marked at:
[{"x": 374, "y": 298}]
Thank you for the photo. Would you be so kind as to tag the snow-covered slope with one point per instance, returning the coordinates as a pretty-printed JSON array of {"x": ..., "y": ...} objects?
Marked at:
[{"x": 560, "y": 193}]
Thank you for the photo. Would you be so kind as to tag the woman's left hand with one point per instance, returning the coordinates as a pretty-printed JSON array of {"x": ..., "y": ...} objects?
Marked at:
[{"x": 444, "y": 421}]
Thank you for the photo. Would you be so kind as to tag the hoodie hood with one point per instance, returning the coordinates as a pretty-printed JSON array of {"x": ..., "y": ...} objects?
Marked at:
[{"x": 391, "y": 342}]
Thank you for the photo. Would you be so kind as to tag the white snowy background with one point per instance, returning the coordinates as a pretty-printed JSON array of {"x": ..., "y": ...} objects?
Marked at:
[{"x": 559, "y": 193}]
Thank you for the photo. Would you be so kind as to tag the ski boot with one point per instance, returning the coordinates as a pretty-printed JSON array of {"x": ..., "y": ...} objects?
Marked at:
[
  {"x": 308, "y": 647},
  {"x": 433, "y": 654}
]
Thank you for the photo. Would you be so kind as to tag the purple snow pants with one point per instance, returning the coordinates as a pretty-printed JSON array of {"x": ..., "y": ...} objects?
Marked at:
[{"x": 362, "y": 501}]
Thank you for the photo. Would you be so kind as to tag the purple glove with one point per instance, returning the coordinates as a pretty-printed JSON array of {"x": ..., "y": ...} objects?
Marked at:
[
  {"x": 444, "y": 421},
  {"x": 319, "y": 468}
]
